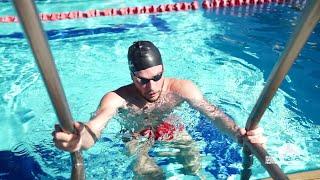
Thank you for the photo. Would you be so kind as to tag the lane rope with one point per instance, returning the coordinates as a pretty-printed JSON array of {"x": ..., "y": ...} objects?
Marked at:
[{"x": 181, "y": 6}]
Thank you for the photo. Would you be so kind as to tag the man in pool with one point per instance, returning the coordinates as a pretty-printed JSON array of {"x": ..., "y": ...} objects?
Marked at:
[{"x": 147, "y": 106}]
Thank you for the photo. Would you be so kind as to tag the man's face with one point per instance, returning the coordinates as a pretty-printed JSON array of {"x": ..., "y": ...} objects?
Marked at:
[{"x": 149, "y": 82}]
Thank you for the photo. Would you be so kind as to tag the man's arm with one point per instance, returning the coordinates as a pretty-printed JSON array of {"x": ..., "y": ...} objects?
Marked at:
[
  {"x": 87, "y": 134},
  {"x": 192, "y": 94},
  {"x": 108, "y": 107},
  {"x": 194, "y": 97},
  {"x": 222, "y": 121}
]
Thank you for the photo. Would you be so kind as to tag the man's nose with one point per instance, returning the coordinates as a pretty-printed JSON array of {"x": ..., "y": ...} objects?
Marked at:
[{"x": 152, "y": 85}]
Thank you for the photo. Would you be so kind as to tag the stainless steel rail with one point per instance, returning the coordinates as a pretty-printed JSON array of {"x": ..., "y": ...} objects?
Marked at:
[
  {"x": 308, "y": 21},
  {"x": 29, "y": 19}
]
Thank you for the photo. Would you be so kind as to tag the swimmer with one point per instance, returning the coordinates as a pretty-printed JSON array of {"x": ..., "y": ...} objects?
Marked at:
[{"x": 149, "y": 99}]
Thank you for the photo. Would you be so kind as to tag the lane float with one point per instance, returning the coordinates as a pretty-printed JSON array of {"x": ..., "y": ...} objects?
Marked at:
[{"x": 181, "y": 6}]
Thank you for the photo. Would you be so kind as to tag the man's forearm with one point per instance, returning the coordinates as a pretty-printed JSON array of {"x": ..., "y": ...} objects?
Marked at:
[
  {"x": 225, "y": 124},
  {"x": 93, "y": 128},
  {"x": 89, "y": 138},
  {"x": 222, "y": 121}
]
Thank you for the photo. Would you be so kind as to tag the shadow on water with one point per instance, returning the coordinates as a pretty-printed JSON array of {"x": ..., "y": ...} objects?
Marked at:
[
  {"x": 73, "y": 32},
  {"x": 159, "y": 23},
  {"x": 13, "y": 166},
  {"x": 21, "y": 163},
  {"x": 220, "y": 146},
  {"x": 155, "y": 20}
]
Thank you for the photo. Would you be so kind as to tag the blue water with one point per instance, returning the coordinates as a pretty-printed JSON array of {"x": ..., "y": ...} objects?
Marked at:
[{"x": 228, "y": 53}]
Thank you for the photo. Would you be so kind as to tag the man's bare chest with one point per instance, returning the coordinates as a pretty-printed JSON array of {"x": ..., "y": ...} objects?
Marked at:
[{"x": 154, "y": 112}]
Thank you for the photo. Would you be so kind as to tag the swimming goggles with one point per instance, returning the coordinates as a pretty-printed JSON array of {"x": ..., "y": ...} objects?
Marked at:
[{"x": 145, "y": 80}]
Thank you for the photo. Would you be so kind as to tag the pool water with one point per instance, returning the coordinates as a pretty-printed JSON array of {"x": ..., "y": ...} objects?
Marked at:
[{"x": 228, "y": 53}]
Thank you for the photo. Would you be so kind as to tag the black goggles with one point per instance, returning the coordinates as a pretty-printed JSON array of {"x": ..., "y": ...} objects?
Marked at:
[{"x": 145, "y": 81}]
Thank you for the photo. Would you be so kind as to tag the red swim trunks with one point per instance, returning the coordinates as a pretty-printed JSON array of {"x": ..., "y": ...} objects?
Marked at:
[{"x": 164, "y": 131}]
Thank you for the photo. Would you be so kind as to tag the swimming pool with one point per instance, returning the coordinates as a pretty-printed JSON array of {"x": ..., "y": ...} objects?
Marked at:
[{"x": 215, "y": 49}]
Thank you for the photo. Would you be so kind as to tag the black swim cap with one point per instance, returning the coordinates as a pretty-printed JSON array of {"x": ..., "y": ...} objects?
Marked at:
[{"x": 143, "y": 55}]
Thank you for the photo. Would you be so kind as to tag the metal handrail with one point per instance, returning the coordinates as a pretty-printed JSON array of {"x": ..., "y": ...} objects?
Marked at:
[
  {"x": 29, "y": 19},
  {"x": 308, "y": 21}
]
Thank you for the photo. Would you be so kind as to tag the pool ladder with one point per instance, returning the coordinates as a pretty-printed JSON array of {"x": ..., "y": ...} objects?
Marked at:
[{"x": 29, "y": 19}]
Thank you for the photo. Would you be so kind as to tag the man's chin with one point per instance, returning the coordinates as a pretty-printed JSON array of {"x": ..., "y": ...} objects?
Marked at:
[{"x": 152, "y": 99}]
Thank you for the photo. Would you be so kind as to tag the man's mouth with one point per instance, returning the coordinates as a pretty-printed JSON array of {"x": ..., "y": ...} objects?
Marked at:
[{"x": 152, "y": 94}]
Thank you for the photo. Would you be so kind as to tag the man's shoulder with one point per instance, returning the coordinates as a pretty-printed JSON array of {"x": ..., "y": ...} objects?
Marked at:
[
  {"x": 117, "y": 97},
  {"x": 179, "y": 84},
  {"x": 111, "y": 99},
  {"x": 186, "y": 88}
]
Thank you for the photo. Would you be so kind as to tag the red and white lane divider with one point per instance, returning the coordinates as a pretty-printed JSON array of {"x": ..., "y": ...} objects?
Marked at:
[{"x": 182, "y": 6}]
